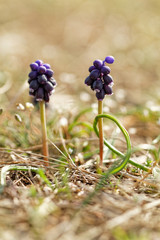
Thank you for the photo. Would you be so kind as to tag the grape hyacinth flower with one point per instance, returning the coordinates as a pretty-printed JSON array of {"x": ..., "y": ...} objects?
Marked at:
[
  {"x": 41, "y": 81},
  {"x": 41, "y": 86},
  {"x": 99, "y": 78},
  {"x": 101, "y": 82}
]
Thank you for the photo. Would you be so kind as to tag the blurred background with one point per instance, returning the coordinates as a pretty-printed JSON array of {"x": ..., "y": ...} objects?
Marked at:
[{"x": 70, "y": 35}]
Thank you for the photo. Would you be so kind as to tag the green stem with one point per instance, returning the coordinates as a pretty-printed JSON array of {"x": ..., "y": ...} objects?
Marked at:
[
  {"x": 39, "y": 171},
  {"x": 100, "y": 126},
  {"x": 116, "y": 151},
  {"x": 44, "y": 131}
]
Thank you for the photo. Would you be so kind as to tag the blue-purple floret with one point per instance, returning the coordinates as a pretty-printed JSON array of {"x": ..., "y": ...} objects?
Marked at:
[
  {"x": 41, "y": 81},
  {"x": 109, "y": 59},
  {"x": 99, "y": 78}
]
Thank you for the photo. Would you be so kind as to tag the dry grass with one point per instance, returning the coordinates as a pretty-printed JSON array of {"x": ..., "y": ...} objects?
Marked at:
[{"x": 128, "y": 206}]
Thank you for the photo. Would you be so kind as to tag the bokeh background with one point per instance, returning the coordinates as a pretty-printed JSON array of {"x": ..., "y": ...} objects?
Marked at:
[{"x": 70, "y": 35}]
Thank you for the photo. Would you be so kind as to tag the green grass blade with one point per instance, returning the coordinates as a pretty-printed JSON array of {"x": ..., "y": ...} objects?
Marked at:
[
  {"x": 115, "y": 150},
  {"x": 7, "y": 168}
]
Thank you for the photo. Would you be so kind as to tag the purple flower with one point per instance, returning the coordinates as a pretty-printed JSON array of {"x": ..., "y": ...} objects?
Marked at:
[
  {"x": 98, "y": 63},
  {"x": 99, "y": 79},
  {"x": 41, "y": 81},
  {"x": 109, "y": 59}
]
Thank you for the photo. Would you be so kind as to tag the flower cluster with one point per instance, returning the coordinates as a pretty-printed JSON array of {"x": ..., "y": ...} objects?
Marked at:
[
  {"x": 99, "y": 79},
  {"x": 41, "y": 81}
]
